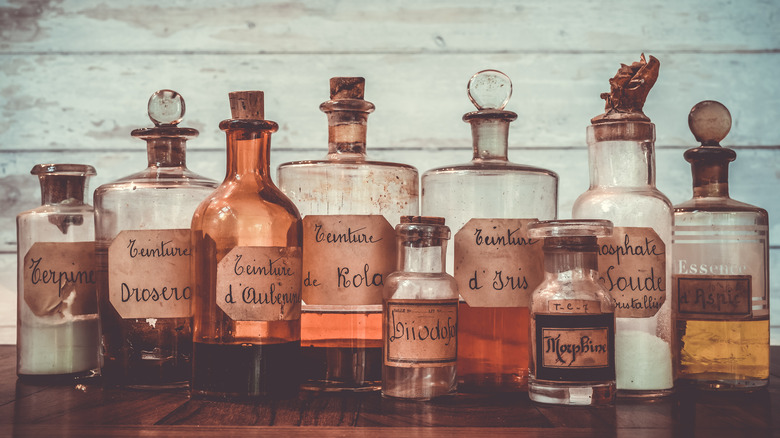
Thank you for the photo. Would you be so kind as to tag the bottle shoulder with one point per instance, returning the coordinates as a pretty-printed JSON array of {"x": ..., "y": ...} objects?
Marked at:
[
  {"x": 479, "y": 168},
  {"x": 160, "y": 177},
  {"x": 718, "y": 205},
  {"x": 233, "y": 201},
  {"x": 346, "y": 166}
]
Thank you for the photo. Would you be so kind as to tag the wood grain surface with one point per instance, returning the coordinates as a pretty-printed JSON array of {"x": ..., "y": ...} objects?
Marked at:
[
  {"x": 86, "y": 409},
  {"x": 75, "y": 76}
]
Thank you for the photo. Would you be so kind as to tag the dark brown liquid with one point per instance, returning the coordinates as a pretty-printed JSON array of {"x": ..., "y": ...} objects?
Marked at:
[
  {"x": 337, "y": 364},
  {"x": 246, "y": 370}
]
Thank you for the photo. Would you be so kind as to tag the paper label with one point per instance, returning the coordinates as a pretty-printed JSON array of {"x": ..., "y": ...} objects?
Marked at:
[
  {"x": 496, "y": 263},
  {"x": 60, "y": 278},
  {"x": 573, "y": 306},
  {"x": 575, "y": 347},
  {"x": 421, "y": 333},
  {"x": 149, "y": 273},
  {"x": 257, "y": 283},
  {"x": 713, "y": 296},
  {"x": 346, "y": 258},
  {"x": 632, "y": 267}
]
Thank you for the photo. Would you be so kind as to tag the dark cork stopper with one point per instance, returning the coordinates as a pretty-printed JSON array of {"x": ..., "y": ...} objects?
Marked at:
[
  {"x": 247, "y": 105},
  {"x": 429, "y": 220},
  {"x": 347, "y": 88}
]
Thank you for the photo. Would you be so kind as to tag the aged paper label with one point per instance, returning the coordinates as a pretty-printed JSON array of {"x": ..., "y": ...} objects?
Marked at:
[
  {"x": 149, "y": 273},
  {"x": 421, "y": 333},
  {"x": 346, "y": 258},
  {"x": 60, "y": 278},
  {"x": 496, "y": 263},
  {"x": 632, "y": 267},
  {"x": 257, "y": 283},
  {"x": 716, "y": 296},
  {"x": 573, "y": 306},
  {"x": 575, "y": 347}
]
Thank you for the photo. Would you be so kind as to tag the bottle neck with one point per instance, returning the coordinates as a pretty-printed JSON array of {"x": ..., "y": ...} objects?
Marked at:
[
  {"x": 622, "y": 154},
  {"x": 423, "y": 259},
  {"x": 570, "y": 257},
  {"x": 63, "y": 189},
  {"x": 166, "y": 152},
  {"x": 710, "y": 180},
  {"x": 248, "y": 154},
  {"x": 347, "y": 127},
  {"x": 490, "y": 138}
]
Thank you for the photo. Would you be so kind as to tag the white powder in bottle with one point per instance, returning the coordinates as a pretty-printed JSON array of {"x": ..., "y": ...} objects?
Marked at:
[{"x": 642, "y": 361}]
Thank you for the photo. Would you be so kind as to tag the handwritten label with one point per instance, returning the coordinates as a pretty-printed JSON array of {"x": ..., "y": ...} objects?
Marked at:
[
  {"x": 346, "y": 259},
  {"x": 573, "y": 306},
  {"x": 421, "y": 333},
  {"x": 257, "y": 283},
  {"x": 59, "y": 278},
  {"x": 496, "y": 263},
  {"x": 632, "y": 267},
  {"x": 575, "y": 347},
  {"x": 149, "y": 273},
  {"x": 714, "y": 296}
]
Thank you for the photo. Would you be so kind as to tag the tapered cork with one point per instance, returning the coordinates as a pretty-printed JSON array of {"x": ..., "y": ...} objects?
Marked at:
[
  {"x": 347, "y": 88},
  {"x": 247, "y": 105}
]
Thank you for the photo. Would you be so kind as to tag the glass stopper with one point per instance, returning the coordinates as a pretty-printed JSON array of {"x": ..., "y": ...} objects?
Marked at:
[
  {"x": 490, "y": 89},
  {"x": 166, "y": 107},
  {"x": 710, "y": 122}
]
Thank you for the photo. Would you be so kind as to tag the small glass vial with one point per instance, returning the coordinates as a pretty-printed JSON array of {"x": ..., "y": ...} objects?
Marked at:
[
  {"x": 57, "y": 322},
  {"x": 633, "y": 263},
  {"x": 143, "y": 253},
  {"x": 721, "y": 280},
  {"x": 572, "y": 318},
  {"x": 348, "y": 203},
  {"x": 489, "y": 203},
  {"x": 247, "y": 270},
  {"x": 420, "y": 314}
]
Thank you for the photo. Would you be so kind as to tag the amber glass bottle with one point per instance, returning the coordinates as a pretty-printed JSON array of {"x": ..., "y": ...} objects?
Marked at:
[{"x": 247, "y": 270}]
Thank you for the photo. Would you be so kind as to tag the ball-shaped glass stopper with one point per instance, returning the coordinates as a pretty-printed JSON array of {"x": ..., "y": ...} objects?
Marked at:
[
  {"x": 710, "y": 122},
  {"x": 166, "y": 107},
  {"x": 490, "y": 89}
]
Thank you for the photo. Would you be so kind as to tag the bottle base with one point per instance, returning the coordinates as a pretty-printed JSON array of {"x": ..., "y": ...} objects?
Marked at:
[
  {"x": 718, "y": 383},
  {"x": 342, "y": 365},
  {"x": 55, "y": 379},
  {"x": 644, "y": 393},
  {"x": 556, "y": 393}
]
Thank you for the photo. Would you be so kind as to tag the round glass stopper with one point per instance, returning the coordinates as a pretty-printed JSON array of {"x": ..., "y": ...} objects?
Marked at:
[
  {"x": 710, "y": 122},
  {"x": 490, "y": 89},
  {"x": 166, "y": 107}
]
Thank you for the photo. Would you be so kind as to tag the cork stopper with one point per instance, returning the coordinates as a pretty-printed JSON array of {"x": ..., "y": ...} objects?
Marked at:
[
  {"x": 247, "y": 105},
  {"x": 710, "y": 122},
  {"x": 429, "y": 220},
  {"x": 347, "y": 88}
]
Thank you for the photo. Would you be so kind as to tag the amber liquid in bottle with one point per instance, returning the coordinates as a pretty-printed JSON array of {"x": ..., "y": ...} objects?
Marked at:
[{"x": 244, "y": 231}]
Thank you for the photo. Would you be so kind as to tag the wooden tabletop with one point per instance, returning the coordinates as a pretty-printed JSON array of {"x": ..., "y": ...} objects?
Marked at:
[{"x": 88, "y": 410}]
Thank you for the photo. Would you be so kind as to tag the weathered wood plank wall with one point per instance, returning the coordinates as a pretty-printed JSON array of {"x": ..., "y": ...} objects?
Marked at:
[{"x": 75, "y": 76}]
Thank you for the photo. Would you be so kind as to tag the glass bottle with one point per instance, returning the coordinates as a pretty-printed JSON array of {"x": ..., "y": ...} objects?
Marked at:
[
  {"x": 247, "y": 270},
  {"x": 420, "y": 314},
  {"x": 348, "y": 204},
  {"x": 143, "y": 254},
  {"x": 572, "y": 318},
  {"x": 633, "y": 263},
  {"x": 489, "y": 202},
  {"x": 721, "y": 281},
  {"x": 57, "y": 322}
]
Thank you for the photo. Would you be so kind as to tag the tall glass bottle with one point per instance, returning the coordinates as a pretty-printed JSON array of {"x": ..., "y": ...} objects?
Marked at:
[
  {"x": 634, "y": 263},
  {"x": 572, "y": 318},
  {"x": 489, "y": 202},
  {"x": 143, "y": 255},
  {"x": 348, "y": 204},
  {"x": 57, "y": 322},
  {"x": 247, "y": 270},
  {"x": 420, "y": 314},
  {"x": 721, "y": 280}
]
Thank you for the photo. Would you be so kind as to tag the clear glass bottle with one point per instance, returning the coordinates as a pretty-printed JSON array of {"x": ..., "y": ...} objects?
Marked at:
[
  {"x": 247, "y": 270},
  {"x": 572, "y": 318},
  {"x": 420, "y": 314},
  {"x": 634, "y": 264},
  {"x": 57, "y": 323},
  {"x": 143, "y": 254},
  {"x": 348, "y": 204},
  {"x": 489, "y": 202},
  {"x": 721, "y": 280}
]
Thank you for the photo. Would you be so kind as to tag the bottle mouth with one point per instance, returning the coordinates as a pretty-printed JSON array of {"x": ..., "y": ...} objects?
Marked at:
[
  {"x": 63, "y": 169},
  {"x": 353, "y": 105},
  {"x": 490, "y": 114},
  {"x": 621, "y": 130},
  {"x": 418, "y": 230}
]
